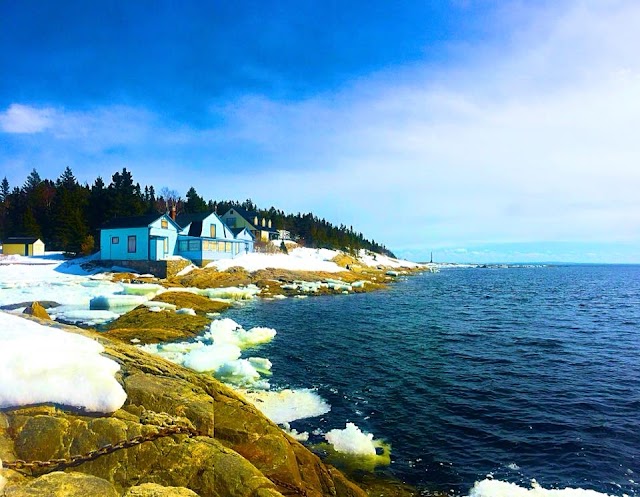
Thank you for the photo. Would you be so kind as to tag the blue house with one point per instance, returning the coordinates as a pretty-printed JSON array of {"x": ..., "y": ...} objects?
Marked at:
[
  {"x": 140, "y": 238},
  {"x": 205, "y": 238},
  {"x": 201, "y": 238}
]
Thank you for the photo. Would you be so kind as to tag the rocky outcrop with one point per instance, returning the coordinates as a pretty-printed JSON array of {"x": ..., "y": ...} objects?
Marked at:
[
  {"x": 232, "y": 450},
  {"x": 37, "y": 311}
]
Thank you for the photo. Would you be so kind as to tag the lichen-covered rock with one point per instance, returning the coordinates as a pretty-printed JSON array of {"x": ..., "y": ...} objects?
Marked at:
[
  {"x": 155, "y": 490},
  {"x": 237, "y": 453},
  {"x": 37, "y": 311},
  {"x": 60, "y": 484}
]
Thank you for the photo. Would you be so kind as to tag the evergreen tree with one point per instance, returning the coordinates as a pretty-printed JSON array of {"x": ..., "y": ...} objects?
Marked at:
[{"x": 194, "y": 203}]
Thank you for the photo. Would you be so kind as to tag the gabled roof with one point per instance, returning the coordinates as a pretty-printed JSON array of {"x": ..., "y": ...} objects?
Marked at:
[
  {"x": 20, "y": 239},
  {"x": 184, "y": 219},
  {"x": 134, "y": 221},
  {"x": 249, "y": 217},
  {"x": 237, "y": 231}
]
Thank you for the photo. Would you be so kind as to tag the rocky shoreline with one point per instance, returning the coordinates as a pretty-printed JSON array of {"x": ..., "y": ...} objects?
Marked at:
[{"x": 225, "y": 446}]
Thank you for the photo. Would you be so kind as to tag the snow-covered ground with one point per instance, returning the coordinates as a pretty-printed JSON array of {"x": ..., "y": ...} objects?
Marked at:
[{"x": 306, "y": 259}]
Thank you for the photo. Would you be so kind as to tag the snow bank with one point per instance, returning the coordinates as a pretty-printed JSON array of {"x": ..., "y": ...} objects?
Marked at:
[
  {"x": 299, "y": 259},
  {"x": 83, "y": 317},
  {"x": 41, "y": 364},
  {"x": 287, "y": 405},
  {"x": 352, "y": 441},
  {"x": 373, "y": 260},
  {"x": 497, "y": 488}
]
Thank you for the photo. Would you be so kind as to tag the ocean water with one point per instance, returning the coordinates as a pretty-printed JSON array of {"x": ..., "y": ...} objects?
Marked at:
[{"x": 516, "y": 373}]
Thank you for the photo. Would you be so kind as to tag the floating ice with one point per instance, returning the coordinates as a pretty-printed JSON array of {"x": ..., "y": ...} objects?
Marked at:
[
  {"x": 287, "y": 405},
  {"x": 352, "y": 441},
  {"x": 42, "y": 364},
  {"x": 497, "y": 488}
]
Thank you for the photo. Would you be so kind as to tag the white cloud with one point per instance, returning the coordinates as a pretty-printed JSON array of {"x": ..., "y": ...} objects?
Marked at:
[{"x": 25, "y": 119}]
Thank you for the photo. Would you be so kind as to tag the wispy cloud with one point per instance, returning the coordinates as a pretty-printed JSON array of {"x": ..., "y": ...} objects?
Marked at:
[{"x": 25, "y": 119}]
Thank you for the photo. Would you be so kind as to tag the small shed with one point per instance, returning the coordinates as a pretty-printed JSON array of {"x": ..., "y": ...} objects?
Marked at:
[{"x": 23, "y": 245}]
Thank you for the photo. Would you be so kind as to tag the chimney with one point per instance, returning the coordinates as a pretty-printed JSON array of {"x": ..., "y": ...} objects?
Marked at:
[{"x": 173, "y": 212}]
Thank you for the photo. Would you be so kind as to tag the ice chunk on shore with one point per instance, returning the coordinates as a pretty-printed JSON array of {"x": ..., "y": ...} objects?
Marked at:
[
  {"x": 218, "y": 352},
  {"x": 148, "y": 290},
  {"x": 497, "y": 488},
  {"x": 231, "y": 293},
  {"x": 161, "y": 305},
  {"x": 288, "y": 405},
  {"x": 228, "y": 331},
  {"x": 352, "y": 440},
  {"x": 87, "y": 318},
  {"x": 41, "y": 364},
  {"x": 121, "y": 302}
]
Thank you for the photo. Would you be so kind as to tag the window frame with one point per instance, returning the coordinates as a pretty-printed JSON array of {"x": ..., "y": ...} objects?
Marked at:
[{"x": 130, "y": 239}]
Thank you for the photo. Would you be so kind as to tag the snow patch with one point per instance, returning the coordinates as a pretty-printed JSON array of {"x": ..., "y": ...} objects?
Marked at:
[{"x": 41, "y": 364}]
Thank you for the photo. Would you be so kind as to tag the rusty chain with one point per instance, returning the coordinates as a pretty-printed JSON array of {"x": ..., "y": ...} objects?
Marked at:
[
  {"x": 76, "y": 460},
  {"x": 293, "y": 488}
]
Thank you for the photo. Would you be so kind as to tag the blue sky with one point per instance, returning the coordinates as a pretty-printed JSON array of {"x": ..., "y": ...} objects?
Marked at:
[{"x": 480, "y": 130}]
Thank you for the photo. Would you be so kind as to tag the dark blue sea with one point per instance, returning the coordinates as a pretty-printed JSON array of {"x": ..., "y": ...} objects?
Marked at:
[{"x": 518, "y": 373}]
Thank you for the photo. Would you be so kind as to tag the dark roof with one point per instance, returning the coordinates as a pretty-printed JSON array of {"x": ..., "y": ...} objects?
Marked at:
[
  {"x": 131, "y": 222},
  {"x": 20, "y": 239},
  {"x": 249, "y": 216},
  {"x": 237, "y": 231},
  {"x": 195, "y": 229},
  {"x": 184, "y": 219}
]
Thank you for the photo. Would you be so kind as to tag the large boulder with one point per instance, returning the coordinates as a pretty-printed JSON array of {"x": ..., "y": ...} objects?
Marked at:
[{"x": 231, "y": 450}]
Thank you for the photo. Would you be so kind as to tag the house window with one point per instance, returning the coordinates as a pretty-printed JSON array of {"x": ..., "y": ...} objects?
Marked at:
[
  {"x": 166, "y": 245},
  {"x": 194, "y": 245},
  {"x": 231, "y": 222},
  {"x": 227, "y": 247},
  {"x": 131, "y": 244},
  {"x": 183, "y": 245},
  {"x": 164, "y": 224},
  {"x": 212, "y": 229},
  {"x": 220, "y": 246},
  {"x": 115, "y": 240}
]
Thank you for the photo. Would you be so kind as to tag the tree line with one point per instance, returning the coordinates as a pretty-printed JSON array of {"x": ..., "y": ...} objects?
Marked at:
[{"x": 67, "y": 215}]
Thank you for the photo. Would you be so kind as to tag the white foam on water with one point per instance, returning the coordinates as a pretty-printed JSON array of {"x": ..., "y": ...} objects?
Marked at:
[
  {"x": 285, "y": 406},
  {"x": 41, "y": 364},
  {"x": 497, "y": 488},
  {"x": 351, "y": 440}
]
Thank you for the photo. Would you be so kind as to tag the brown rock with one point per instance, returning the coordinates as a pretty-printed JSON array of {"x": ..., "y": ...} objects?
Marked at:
[
  {"x": 60, "y": 484},
  {"x": 37, "y": 311},
  {"x": 155, "y": 490}
]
